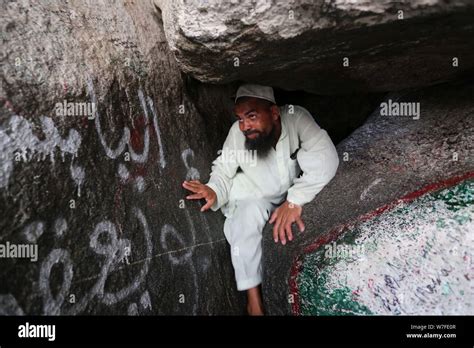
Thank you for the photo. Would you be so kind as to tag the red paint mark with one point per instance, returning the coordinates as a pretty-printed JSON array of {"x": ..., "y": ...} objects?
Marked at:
[
  {"x": 336, "y": 232},
  {"x": 85, "y": 122},
  {"x": 136, "y": 139},
  {"x": 136, "y": 134}
]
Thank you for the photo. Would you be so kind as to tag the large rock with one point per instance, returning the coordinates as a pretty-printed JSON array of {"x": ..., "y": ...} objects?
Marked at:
[
  {"x": 390, "y": 45},
  {"x": 387, "y": 159},
  {"x": 100, "y": 194},
  {"x": 411, "y": 257}
]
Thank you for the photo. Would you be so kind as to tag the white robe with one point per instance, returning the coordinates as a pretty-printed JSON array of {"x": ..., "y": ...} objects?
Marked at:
[{"x": 268, "y": 182}]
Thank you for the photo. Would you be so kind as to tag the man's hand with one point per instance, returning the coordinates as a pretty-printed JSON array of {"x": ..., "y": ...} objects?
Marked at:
[
  {"x": 200, "y": 191},
  {"x": 284, "y": 216}
]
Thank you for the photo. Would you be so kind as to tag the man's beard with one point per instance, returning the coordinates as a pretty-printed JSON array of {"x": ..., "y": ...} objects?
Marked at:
[{"x": 262, "y": 143}]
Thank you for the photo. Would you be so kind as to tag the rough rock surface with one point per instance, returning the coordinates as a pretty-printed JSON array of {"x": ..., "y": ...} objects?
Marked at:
[
  {"x": 100, "y": 195},
  {"x": 301, "y": 45},
  {"x": 383, "y": 160},
  {"x": 410, "y": 257}
]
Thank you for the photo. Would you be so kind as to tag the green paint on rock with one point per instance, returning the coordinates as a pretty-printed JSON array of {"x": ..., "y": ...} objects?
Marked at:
[
  {"x": 414, "y": 259},
  {"x": 338, "y": 301}
]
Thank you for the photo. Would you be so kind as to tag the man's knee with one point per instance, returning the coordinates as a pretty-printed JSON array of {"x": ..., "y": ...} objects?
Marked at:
[
  {"x": 248, "y": 220},
  {"x": 259, "y": 209}
]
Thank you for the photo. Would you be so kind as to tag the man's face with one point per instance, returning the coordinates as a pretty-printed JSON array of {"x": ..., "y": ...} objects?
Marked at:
[{"x": 257, "y": 121}]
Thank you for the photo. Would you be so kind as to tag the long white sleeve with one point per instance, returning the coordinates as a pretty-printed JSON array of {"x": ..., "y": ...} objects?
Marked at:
[
  {"x": 224, "y": 169},
  {"x": 317, "y": 158}
]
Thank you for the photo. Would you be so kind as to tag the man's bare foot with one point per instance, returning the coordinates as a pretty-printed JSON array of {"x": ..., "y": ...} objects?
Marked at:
[
  {"x": 255, "y": 310},
  {"x": 254, "y": 304}
]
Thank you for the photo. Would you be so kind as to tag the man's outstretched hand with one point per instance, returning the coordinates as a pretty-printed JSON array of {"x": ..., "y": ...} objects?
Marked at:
[
  {"x": 283, "y": 217},
  {"x": 200, "y": 191}
]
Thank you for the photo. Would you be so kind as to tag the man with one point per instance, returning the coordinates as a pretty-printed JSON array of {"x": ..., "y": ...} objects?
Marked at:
[{"x": 286, "y": 140}]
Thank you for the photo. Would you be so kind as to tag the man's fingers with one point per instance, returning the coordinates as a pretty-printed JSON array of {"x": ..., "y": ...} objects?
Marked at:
[
  {"x": 275, "y": 229},
  {"x": 300, "y": 224},
  {"x": 208, "y": 205},
  {"x": 274, "y": 216},
  {"x": 274, "y": 219},
  {"x": 191, "y": 184},
  {"x": 281, "y": 233},
  {"x": 198, "y": 195},
  {"x": 281, "y": 230},
  {"x": 190, "y": 187},
  {"x": 289, "y": 233}
]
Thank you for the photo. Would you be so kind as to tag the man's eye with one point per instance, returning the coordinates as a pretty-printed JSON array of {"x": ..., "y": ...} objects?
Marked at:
[
  {"x": 240, "y": 120},
  {"x": 252, "y": 117}
]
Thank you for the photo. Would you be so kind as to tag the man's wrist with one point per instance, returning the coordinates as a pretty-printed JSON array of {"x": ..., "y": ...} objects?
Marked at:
[
  {"x": 213, "y": 187},
  {"x": 293, "y": 205},
  {"x": 296, "y": 198}
]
